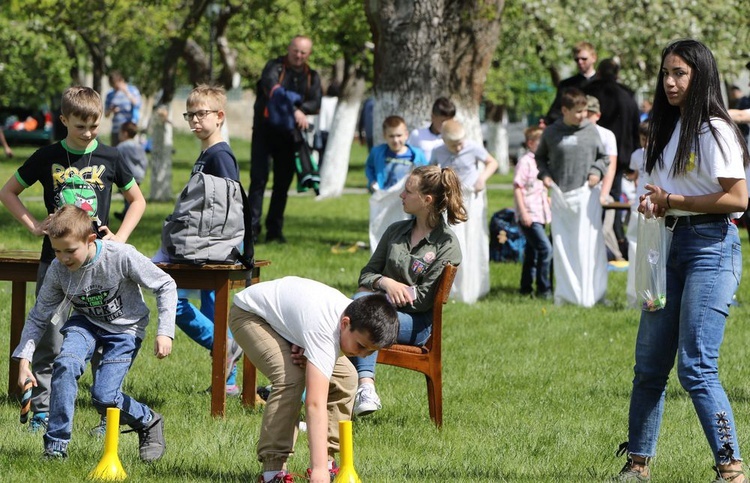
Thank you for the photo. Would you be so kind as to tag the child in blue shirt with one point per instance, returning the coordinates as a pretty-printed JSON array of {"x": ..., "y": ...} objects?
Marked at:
[
  {"x": 388, "y": 166},
  {"x": 388, "y": 163}
]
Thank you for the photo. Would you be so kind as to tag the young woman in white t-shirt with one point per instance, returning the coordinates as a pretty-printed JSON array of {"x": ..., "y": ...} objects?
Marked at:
[{"x": 695, "y": 176}]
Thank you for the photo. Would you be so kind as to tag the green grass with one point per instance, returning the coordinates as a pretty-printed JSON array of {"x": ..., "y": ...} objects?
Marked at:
[{"x": 532, "y": 391}]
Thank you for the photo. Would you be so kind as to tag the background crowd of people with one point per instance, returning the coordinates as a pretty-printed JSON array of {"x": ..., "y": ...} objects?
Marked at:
[{"x": 685, "y": 154}]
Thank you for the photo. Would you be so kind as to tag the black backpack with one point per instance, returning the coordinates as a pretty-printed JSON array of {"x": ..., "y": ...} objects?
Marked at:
[{"x": 507, "y": 242}]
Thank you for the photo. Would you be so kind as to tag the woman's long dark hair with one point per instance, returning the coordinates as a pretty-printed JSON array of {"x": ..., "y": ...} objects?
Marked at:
[{"x": 702, "y": 102}]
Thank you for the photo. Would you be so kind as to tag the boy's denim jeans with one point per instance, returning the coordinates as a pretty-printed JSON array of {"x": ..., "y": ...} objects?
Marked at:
[
  {"x": 81, "y": 338},
  {"x": 413, "y": 329},
  {"x": 537, "y": 260},
  {"x": 703, "y": 271}
]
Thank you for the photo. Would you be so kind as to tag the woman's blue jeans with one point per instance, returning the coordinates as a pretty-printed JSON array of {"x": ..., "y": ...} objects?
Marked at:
[
  {"x": 413, "y": 329},
  {"x": 537, "y": 260},
  {"x": 703, "y": 272},
  {"x": 81, "y": 338}
]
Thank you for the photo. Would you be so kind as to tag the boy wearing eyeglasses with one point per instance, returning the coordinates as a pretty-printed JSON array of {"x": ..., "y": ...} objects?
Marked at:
[{"x": 205, "y": 115}]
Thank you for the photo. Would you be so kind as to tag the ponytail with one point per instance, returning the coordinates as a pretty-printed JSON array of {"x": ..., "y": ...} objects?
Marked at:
[
  {"x": 445, "y": 188},
  {"x": 453, "y": 201}
]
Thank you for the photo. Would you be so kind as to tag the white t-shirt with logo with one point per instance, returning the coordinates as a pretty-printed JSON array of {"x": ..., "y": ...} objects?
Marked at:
[{"x": 304, "y": 312}]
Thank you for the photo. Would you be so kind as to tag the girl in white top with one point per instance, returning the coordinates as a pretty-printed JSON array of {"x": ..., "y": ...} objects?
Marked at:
[{"x": 695, "y": 175}]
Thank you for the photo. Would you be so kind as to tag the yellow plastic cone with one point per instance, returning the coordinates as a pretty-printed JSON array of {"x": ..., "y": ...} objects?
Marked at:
[
  {"x": 109, "y": 467},
  {"x": 347, "y": 473}
]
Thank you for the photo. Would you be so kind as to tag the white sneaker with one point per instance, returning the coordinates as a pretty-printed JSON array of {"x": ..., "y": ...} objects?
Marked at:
[{"x": 366, "y": 401}]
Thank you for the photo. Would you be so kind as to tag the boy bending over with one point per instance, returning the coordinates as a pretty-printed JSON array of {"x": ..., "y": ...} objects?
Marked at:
[
  {"x": 100, "y": 281},
  {"x": 298, "y": 333}
]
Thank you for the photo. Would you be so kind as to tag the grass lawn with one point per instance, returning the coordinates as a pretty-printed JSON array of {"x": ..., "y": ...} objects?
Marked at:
[{"x": 532, "y": 391}]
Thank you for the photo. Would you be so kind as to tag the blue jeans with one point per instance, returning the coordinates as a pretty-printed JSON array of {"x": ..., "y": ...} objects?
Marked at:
[
  {"x": 413, "y": 329},
  {"x": 703, "y": 271},
  {"x": 199, "y": 324},
  {"x": 81, "y": 339},
  {"x": 537, "y": 260}
]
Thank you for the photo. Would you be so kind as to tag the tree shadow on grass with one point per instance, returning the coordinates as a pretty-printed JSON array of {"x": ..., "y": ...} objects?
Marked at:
[{"x": 325, "y": 230}]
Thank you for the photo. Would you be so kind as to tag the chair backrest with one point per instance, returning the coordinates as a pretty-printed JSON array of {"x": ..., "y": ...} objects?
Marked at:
[{"x": 434, "y": 343}]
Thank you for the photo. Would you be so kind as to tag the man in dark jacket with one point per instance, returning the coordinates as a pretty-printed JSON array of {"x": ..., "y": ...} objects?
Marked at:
[
  {"x": 584, "y": 55},
  {"x": 290, "y": 90}
]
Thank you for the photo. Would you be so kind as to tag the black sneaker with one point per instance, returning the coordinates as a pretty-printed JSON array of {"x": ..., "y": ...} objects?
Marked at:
[
  {"x": 54, "y": 454},
  {"x": 100, "y": 430},
  {"x": 151, "y": 443}
]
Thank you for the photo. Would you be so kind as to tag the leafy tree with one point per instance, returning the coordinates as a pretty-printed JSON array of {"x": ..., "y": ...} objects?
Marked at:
[
  {"x": 25, "y": 51},
  {"x": 538, "y": 34}
]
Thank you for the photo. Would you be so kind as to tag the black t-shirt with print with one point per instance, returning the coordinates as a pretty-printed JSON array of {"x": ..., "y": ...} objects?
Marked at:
[{"x": 75, "y": 177}]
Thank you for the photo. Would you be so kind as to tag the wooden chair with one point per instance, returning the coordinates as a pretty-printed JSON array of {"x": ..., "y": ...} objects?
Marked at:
[{"x": 427, "y": 359}]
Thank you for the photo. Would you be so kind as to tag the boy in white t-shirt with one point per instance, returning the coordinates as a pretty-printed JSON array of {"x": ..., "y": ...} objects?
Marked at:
[
  {"x": 430, "y": 137},
  {"x": 609, "y": 141},
  {"x": 299, "y": 332}
]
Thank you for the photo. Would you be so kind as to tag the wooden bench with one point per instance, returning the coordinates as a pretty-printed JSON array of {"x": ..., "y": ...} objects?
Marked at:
[{"x": 20, "y": 266}]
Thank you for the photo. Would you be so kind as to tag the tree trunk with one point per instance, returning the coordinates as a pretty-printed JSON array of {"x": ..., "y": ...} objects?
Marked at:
[
  {"x": 161, "y": 155},
  {"x": 76, "y": 73},
  {"x": 97, "y": 52},
  {"x": 228, "y": 76},
  {"x": 161, "y": 158},
  {"x": 197, "y": 63},
  {"x": 341, "y": 134},
  {"x": 497, "y": 136},
  {"x": 430, "y": 48}
]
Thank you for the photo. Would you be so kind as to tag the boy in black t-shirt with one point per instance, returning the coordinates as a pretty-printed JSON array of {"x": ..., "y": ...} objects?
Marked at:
[{"x": 78, "y": 170}]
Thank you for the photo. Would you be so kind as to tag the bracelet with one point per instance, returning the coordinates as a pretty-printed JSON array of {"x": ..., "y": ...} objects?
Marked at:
[{"x": 669, "y": 205}]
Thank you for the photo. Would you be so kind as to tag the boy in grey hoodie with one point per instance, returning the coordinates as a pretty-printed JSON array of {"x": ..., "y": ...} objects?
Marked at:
[
  {"x": 100, "y": 281},
  {"x": 572, "y": 157},
  {"x": 570, "y": 151}
]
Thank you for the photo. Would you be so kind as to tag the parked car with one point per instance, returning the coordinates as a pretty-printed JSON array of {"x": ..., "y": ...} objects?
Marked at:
[{"x": 23, "y": 125}]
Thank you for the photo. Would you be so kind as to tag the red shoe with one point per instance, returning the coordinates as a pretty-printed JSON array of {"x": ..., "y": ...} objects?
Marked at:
[
  {"x": 333, "y": 471},
  {"x": 281, "y": 477}
]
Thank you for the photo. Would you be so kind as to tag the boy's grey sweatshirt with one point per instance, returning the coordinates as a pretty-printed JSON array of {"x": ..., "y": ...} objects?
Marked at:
[
  {"x": 106, "y": 291},
  {"x": 568, "y": 154}
]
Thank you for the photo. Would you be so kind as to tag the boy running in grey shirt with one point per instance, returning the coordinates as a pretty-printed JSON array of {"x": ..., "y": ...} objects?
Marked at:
[{"x": 100, "y": 281}]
